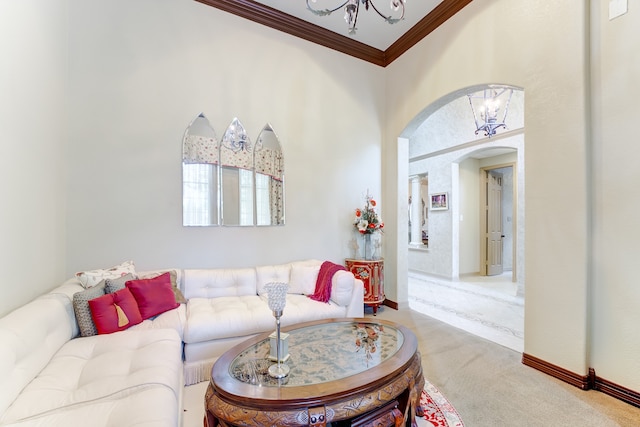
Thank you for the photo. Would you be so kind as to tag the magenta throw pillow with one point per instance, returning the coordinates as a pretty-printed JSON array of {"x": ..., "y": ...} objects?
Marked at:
[
  {"x": 154, "y": 296},
  {"x": 114, "y": 312}
]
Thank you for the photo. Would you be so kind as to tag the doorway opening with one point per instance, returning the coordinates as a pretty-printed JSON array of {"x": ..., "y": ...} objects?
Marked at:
[
  {"x": 471, "y": 268},
  {"x": 497, "y": 220}
]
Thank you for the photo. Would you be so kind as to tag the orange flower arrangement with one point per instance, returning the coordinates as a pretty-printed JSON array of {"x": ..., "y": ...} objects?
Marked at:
[{"x": 367, "y": 220}]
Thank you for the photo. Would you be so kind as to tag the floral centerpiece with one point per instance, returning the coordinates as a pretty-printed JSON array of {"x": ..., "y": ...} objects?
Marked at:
[
  {"x": 367, "y": 336},
  {"x": 367, "y": 222}
]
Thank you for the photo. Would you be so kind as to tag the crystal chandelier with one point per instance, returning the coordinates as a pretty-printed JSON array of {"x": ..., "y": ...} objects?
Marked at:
[
  {"x": 486, "y": 109},
  {"x": 352, "y": 7}
]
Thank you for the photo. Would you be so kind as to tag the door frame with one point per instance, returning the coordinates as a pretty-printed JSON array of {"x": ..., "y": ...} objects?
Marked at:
[{"x": 514, "y": 222}]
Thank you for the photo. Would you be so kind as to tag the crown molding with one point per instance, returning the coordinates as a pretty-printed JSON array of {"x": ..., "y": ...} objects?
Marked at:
[
  {"x": 273, "y": 18},
  {"x": 424, "y": 27},
  {"x": 265, "y": 15}
]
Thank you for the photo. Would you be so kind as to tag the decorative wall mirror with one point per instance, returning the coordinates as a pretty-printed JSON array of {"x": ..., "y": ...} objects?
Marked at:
[
  {"x": 236, "y": 160},
  {"x": 232, "y": 182},
  {"x": 418, "y": 210},
  {"x": 269, "y": 168},
  {"x": 200, "y": 174}
]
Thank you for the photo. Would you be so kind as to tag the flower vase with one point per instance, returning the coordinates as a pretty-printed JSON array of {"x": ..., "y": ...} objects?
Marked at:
[{"x": 367, "y": 247}]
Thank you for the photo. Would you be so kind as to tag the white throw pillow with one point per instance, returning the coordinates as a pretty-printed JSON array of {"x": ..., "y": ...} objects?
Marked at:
[
  {"x": 303, "y": 279},
  {"x": 92, "y": 277},
  {"x": 342, "y": 287},
  {"x": 271, "y": 273}
]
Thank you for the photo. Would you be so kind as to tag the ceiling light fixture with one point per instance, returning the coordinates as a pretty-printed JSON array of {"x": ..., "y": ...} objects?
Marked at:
[
  {"x": 352, "y": 7},
  {"x": 486, "y": 104}
]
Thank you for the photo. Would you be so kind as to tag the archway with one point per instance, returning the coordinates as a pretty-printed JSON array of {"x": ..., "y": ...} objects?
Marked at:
[{"x": 440, "y": 143}]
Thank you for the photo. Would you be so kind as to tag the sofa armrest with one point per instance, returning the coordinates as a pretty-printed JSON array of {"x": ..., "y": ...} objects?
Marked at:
[
  {"x": 347, "y": 291},
  {"x": 356, "y": 305}
]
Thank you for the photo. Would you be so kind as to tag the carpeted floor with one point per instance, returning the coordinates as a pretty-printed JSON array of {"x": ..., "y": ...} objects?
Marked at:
[
  {"x": 489, "y": 386},
  {"x": 485, "y": 382}
]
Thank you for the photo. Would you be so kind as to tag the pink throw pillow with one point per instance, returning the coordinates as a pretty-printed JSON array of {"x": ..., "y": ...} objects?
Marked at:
[
  {"x": 114, "y": 312},
  {"x": 154, "y": 296}
]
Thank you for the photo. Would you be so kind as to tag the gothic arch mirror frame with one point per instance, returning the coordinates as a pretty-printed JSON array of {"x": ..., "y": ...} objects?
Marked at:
[{"x": 232, "y": 181}]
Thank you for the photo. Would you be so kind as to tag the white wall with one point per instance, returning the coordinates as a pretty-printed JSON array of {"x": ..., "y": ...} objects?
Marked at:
[
  {"x": 469, "y": 223},
  {"x": 141, "y": 71},
  {"x": 33, "y": 105},
  {"x": 551, "y": 70},
  {"x": 615, "y": 347}
]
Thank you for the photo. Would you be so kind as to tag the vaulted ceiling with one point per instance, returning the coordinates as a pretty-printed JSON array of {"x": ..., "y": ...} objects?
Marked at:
[{"x": 375, "y": 40}]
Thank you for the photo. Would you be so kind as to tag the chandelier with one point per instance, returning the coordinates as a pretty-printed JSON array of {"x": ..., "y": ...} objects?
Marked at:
[
  {"x": 352, "y": 7},
  {"x": 486, "y": 109}
]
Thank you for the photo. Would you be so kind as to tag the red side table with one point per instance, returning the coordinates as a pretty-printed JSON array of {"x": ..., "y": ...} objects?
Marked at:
[{"x": 372, "y": 275}]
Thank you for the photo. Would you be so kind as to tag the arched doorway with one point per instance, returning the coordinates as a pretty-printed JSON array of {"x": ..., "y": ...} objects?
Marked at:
[{"x": 441, "y": 148}]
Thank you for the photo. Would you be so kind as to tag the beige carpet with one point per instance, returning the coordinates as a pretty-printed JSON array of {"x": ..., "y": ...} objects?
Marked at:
[
  {"x": 486, "y": 383},
  {"x": 489, "y": 386}
]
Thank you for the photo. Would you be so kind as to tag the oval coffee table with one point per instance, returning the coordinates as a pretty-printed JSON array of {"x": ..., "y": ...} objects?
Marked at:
[{"x": 343, "y": 372}]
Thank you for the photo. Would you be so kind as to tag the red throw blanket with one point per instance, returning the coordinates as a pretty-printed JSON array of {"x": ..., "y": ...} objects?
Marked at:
[{"x": 323, "y": 283}]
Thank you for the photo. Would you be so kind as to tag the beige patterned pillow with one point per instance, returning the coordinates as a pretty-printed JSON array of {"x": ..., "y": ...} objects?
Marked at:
[{"x": 93, "y": 277}]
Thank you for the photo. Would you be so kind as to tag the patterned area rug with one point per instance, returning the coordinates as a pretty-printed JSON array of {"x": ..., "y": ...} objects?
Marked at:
[{"x": 438, "y": 411}]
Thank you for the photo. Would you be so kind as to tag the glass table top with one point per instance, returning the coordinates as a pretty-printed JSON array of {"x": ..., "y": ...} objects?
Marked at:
[{"x": 321, "y": 353}]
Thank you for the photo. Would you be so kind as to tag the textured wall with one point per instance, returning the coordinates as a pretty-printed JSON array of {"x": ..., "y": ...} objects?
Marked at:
[
  {"x": 551, "y": 70},
  {"x": 615, "y": 298}
]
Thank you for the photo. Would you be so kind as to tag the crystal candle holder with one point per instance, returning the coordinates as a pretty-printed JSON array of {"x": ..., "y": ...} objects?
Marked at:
[{"x": 277, "y": 298}]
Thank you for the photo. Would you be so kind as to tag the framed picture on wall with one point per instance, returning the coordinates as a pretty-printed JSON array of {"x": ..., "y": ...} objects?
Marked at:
[{"x": 439, "y": 201}]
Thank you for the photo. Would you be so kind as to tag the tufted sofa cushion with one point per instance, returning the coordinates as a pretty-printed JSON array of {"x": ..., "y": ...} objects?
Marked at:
[
  {"x": 271, "y": 273},
  {"x": 148, "y": 406},
  {"x": 224, "y": 317},
  {"x": 301, "y": 308},
  {"x": 175, "y": 319},
  {"x": 111, "y": 367},
  {"x": 30, "y": 336},
  {"x": 219, "y": 282}
]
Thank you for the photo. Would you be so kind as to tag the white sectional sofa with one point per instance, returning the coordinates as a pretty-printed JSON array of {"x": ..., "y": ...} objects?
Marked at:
[
  {"x": 50, "y": 376},
  {"x": 227, "y": 306}
]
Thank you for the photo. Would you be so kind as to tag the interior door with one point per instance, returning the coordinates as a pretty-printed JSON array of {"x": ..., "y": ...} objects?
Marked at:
[{"x": 493, "y": 223}]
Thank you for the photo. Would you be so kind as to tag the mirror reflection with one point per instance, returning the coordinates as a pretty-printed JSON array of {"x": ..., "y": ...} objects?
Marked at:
[
  {"x": 418, "y": 211},
  {"x": 200, "y": 154},
  {"x": 269, "y": 168},
  {"x": 236, "y": 160},
  {"x": 232, "y": 182}
]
